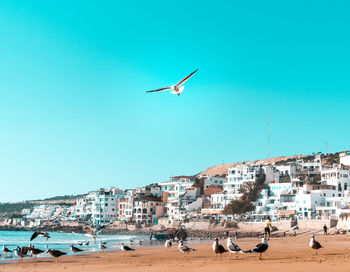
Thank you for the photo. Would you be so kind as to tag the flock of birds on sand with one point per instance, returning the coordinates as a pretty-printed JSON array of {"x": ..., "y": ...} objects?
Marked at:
[
  {"x": 218, "y": 249},
  {"x": 31, "y": 251}
]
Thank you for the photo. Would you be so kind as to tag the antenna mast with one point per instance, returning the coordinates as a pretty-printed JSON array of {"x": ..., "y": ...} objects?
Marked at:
[{"x": 268, "y": 136}]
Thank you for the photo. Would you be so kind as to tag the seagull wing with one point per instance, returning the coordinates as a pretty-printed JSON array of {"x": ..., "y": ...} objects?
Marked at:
[
  {"x": 184, "y": 248},
  {"x": 128, "y": 248},
  {"x": 159, "y": 90},
  {"x": 186, "y": 78},
  {"x": 317, "y": 245},
  {"x": 233, "y": 247},
  {"x": 259, "y": 248},
  {"x": 35, "y": 234},
  {"x": 222, "y": 249}
]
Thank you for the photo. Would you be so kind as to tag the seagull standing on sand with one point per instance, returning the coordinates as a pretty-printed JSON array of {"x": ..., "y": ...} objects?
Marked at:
[
  {"x": 232, "y": 247},
  {"x": 217, "y": 248},
  {"x": 314, "y": 244},
  {"x": 184, "y": 249},
  {"x": 35, "y": 251},
  {"x": 24, "y": 250},
  {"x": 125, "y": 248},
  {"x": 102, "y": 246},
  {"x": 18, "y": 253},
  {"x": 168, "y": 243},
  {"x": 259, "y": 248},
  {"x": 55, "y": 253},
  {"x": 75, "y": 249},
  {"x": 5, "y": 250},
  {"x": 177, "y": 88}
]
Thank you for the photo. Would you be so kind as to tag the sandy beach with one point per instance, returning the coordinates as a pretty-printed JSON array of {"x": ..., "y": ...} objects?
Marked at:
[{"x": 284, "y": 254}]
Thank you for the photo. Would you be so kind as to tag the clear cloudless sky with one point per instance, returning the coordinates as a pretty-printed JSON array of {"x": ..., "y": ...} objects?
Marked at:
[{"x": 74, "y": 116}]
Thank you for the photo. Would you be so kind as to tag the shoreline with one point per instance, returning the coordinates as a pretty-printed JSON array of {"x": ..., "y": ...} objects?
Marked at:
[{"x": 284, "y": 254}]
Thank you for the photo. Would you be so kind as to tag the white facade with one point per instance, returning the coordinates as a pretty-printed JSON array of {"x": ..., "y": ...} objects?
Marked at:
[
  {"x": 340, "y": 178},
  {"x": 214, "y": 181},
  {"x": 239, "y": 174},
  {"x": 102, "y": 205},
  {"x": 344, "y": 158},
  {"x": 314, "y": 164}
]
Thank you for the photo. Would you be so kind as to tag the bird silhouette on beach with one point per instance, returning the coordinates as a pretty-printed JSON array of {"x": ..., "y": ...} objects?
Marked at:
[
  {"x": 314, "y": 244},
  {"x": 125, "y": 248},
  {"x": 218, "y": 249},
  {"x": 184, "y": 249},
  {"x": 55, "y": 253},
  {"x": 259, "y": 248}
]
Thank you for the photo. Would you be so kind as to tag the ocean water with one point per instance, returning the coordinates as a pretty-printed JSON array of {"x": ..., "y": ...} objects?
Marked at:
[{"x": 62, "y": 241}]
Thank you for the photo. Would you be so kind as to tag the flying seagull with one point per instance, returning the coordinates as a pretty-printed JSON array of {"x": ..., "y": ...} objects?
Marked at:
[
  {"x": 218, "y": 249},
  {"x": 314, "y": 244},
  {"x": 94, "y": 232},
  {"x": 177, "y": 88},
  {"x": 41, "y": 234},
  {"x": 259, "y": 248}
]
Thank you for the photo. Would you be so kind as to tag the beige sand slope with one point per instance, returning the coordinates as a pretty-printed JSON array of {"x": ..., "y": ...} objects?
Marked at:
[
  {"x": 221, "y": 169},
  {"x": 284, "y": 254}
]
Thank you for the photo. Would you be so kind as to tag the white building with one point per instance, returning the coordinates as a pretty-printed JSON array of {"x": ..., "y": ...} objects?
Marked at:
[
  {"x": 218, "y": 181},
  {"x": 240, "y": 174},
  {"x": 314, "y": 164},
  {"x": 340, "y": 178},
  {"x": 344, "y": 158},
  {"x": 102, "y": 205}
]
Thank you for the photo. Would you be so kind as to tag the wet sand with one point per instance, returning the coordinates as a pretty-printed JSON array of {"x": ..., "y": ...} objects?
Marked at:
[{"x": 284, "y": 254}]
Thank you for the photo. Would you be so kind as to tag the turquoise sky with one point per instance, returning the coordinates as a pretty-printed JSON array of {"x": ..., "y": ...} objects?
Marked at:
[{"x": 74, "y": 116}]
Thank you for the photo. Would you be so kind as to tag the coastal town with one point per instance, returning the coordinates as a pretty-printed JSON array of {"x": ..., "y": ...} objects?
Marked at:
[{"x": 315, "y": 187}]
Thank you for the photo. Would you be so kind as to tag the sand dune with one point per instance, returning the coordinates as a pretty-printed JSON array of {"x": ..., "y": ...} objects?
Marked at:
[{"x": 284, "y": 254}]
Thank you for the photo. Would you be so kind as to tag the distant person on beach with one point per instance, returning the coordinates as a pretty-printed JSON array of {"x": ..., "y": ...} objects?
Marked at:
[
  {"x": 325, "y": 229},
  {"x": 236, "y": 235},
  {"x": 267, "y": 228}
]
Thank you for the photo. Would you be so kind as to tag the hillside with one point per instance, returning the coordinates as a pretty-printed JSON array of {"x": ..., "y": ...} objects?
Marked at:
[{"x": 221, "y": 169}]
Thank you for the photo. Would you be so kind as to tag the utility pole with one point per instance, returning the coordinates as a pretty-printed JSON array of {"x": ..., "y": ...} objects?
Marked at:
[
  {"x": 268, "y": 136},
  {"x": 326, "y": 147}
]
